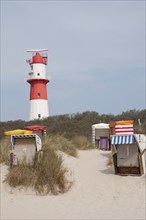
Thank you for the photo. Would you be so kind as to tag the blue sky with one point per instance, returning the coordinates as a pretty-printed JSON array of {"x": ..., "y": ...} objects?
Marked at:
[{"x": 96, "y": 55}]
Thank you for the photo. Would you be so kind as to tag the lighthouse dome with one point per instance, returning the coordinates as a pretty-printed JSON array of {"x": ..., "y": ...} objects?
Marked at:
[{"x": 37, "y": 58}]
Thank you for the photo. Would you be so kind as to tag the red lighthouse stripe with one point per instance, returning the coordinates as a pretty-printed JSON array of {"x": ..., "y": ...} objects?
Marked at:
[{"x": 38, "y": 89}]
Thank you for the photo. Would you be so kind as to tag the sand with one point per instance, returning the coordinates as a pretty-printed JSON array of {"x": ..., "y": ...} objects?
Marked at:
[{"x": 97, "y": 193}]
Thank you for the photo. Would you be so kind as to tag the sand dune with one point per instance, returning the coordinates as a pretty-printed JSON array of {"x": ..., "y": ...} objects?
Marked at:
[{"x": 97, "y": 193}]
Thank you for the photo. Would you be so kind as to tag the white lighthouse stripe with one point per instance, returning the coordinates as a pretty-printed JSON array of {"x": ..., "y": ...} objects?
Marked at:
[
  {"x": 38, "y": 109},
  {"x": 38, "y": 71}
]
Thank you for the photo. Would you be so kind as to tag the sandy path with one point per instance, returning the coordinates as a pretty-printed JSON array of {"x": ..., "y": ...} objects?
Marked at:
[{"x": 96, "y": 194}]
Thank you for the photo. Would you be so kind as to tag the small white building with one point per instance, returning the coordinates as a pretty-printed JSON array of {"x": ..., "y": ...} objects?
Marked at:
[
  {"x": 24, "y": 148},
  {"x": 101, "y": 136}
]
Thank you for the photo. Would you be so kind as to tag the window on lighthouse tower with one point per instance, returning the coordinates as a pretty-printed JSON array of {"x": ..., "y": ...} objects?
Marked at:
[{"x": 39, "y": 94}]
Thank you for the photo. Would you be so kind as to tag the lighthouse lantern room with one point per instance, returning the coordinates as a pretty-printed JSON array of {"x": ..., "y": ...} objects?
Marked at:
[{"x": 38, "y": 81}]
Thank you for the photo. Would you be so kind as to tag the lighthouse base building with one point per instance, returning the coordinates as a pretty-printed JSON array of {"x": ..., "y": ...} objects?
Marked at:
[{"x": 38, "y": 81}]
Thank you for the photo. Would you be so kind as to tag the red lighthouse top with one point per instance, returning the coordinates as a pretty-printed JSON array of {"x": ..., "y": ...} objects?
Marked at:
[{"x": 38, "y": 58}]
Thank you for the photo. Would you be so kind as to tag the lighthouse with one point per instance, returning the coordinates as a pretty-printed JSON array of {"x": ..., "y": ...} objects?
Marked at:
[{"x": 38, "y": 82}]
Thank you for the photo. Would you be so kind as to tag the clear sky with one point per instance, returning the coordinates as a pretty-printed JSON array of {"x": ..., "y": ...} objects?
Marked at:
[{"x": 96, "y": 55}]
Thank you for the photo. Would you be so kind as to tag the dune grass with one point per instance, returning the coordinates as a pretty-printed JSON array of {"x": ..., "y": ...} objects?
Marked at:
[
  {"x": 5, "y": 148},
  {"x": 109, "y": 159},
  {"x": 60, "y": 143},
  {"x": 70, "y": 147},
  {"x": 45, "y": 176},
  {"x": 82, "y": 143}
]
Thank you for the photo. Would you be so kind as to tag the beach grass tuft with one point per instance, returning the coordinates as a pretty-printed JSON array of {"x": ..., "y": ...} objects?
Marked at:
[
  {"x": 82, "y": 143},
  {"x": 109, "y": 159},
  {"x": 61, "y": 143},
  {"x": 5, "y": 148},
  {"x": 46, "y": 175}
]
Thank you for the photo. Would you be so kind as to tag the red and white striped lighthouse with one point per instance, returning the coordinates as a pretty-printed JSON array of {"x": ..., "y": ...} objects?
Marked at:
[{"x": 38, "y": 81}]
